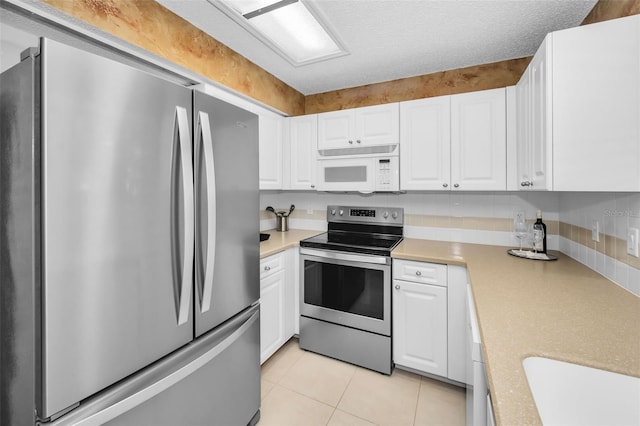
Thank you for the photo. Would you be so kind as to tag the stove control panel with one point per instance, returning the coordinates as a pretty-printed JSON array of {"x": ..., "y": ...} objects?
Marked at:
[{"x": 373, "y": 215}]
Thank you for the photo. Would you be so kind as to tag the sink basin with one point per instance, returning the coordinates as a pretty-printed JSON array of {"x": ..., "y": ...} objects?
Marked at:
[{"x": 571, "y": 394}]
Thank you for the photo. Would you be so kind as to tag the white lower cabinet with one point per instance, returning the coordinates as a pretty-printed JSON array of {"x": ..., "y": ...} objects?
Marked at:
[
  {"x": 429, "y": 320},
  {"x": 272, "y": 303},
  {"x": 277, "y": 302},
  {"x": 420, "y": 326}
]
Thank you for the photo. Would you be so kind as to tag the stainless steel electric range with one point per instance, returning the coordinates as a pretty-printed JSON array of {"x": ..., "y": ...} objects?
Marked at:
[{"x": 345, "y": 295}]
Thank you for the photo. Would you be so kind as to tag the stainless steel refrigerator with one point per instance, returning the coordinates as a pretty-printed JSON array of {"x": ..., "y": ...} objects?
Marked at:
[{"x": 129, "y": 248}]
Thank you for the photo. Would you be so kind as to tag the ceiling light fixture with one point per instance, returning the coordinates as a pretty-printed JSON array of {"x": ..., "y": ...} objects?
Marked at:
[{"x": 290, "y": 27}]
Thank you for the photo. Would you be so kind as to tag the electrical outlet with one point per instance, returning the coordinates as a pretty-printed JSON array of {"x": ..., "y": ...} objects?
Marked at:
[
  {"x": 595, "y": 231},
  {"x": 632, "y": 242}
]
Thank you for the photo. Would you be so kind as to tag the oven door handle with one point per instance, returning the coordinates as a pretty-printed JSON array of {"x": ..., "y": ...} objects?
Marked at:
[{"x": 349, "y": 257}]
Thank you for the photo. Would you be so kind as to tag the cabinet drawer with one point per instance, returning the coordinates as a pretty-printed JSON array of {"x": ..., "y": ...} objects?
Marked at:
[
  {"x": 419, "y": 272},
  {"x": 271, "y": 265}
]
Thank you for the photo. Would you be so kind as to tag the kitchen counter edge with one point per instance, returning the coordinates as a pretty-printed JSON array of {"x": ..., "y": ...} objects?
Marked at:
[{"x": 281, "y": 241}]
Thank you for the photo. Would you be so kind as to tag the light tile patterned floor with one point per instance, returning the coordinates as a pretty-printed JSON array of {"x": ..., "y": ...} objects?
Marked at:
[{"x": 301, "y": 388}]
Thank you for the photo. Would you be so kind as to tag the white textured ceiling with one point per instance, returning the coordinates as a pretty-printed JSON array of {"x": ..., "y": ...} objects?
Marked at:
[{"x": 392, "y": 39}]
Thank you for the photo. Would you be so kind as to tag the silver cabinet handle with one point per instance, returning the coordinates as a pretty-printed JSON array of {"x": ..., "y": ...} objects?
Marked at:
[
  {"x": 183, "y": 293},
  {"x": 267, "y": 268},
  {"x": 206, "y": 282},
  {"x": 358, "y": 141},
  {"x": 526, "y": 183},
  {"x": 418, "y": 273},
  {"x": 313, "y": 186},
  {"x": 445, "y": 185},
  {"x": 350, "y": 142},
  {"x": 397, "y": 287},
  {"x": 455, "y": 185}
]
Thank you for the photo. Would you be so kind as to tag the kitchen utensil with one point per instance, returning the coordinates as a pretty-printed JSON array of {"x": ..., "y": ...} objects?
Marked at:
[{"x": 282, "y": 217}]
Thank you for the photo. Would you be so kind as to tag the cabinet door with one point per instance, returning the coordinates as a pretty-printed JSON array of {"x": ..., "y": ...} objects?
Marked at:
[
  {"x": 420, "y": 327},
  {"x": 425, "y": 139},
  {"x": 270, "y": 143},
  {"x": 478, "y": 141},
  {"x": 336, "y": 129},
  {"x": 596, "y": 105},
  {"x": 540, "y": 120},
  {"x": 523, "y": 142},
  {"x": 303, "y": 143},
  {"x": 377, "y": 125},
  {"x": 272, "y": 311}
]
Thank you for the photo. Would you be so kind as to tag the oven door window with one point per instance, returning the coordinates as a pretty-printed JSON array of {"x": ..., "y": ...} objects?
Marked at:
[{"x": 350, "y": 289}]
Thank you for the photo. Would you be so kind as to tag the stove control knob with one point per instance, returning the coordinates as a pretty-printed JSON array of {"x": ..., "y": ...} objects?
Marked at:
[
  {"x": 386, "y": 215},
  {"x": 333, "y": 212},
  {"x": 394, "y": 215},
  {"x": 341, "y": 212}
]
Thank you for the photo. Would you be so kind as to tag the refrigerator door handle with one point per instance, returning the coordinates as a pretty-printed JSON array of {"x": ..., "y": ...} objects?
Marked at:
[
  {"x": 183, "y": 291},
  {"x": 205, "y": 137}
]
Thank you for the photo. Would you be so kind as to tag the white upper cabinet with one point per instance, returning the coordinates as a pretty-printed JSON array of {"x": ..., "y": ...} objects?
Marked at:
[
  {"x": 579, "y": 101},
  {"x": 271, "y": 138},
  {"x": 596, "y": 106},
  {"x": 303, "y": 142},
  {"x": 479, "y": 141},
  {"x": 353, "y": 128},
  {"x": 425, "y": 159},
  {"x": 454, "y": 142},
  {"x": 534, "y": 148}
]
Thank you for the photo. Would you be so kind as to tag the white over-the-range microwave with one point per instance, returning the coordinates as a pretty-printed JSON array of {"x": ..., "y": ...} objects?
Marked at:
[{"x": 363, "y": 169}]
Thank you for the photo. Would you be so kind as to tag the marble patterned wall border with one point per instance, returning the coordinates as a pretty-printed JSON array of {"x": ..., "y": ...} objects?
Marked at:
[
  {"x": 149, "y": 25},
  {"x": 469, "y": 79},
  {"x": 612, "y": 9}
]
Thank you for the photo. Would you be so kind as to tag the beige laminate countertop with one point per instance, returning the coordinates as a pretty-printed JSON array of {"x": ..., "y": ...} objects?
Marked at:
[
  {"x": 559, "y": 309},
  {"x": 281, "y": 241}
]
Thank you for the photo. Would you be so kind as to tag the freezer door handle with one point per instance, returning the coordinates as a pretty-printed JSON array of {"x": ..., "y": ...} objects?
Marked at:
[
  {"x": 183, "y": 269},
  {"x": 205, "y": 138}
]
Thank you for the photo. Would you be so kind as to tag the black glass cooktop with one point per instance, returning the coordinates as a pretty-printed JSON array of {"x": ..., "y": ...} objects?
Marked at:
[{"x": 355, "y": 242}]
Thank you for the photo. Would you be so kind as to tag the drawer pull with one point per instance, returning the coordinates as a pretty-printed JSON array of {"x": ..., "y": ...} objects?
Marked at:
[
  {"x": 267, "y": 268},
  {"x": 397, "y": 287},
  {"x": 418, "y": 273}
]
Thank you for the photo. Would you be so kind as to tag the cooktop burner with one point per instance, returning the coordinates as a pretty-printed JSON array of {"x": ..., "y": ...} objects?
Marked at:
[{"x": 370, "y": 230}]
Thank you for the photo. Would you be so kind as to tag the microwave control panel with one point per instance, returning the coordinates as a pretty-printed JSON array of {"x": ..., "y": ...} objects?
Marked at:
[{"x": 387, "y": 174}]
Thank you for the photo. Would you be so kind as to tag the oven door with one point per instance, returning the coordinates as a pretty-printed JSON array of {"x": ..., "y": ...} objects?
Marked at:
[{"x": 348, "y": 289}]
